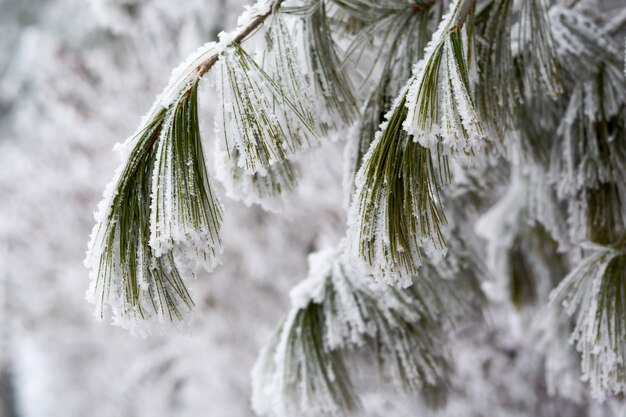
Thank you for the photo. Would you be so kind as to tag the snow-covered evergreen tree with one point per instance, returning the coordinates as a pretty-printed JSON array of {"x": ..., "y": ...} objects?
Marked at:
[{"x": 474, "y": 257}]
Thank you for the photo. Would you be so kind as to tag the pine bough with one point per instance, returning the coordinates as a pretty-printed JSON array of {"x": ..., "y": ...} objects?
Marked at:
[{"x": 448, "y": 90}]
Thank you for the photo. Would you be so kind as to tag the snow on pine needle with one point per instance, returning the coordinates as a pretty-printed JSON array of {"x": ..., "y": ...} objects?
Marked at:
[
  {"x": 267, "y": 188},
  {"x": 589, "y": 160},
  {"x": 337, "y": 314},
  {"x": 397, "y": 212},
  {"x": 594, "y": 292},
  {"x": 272, "y": 180},
  {"x": 497, "y": 97},
  {"x": 186, "y": 215},
  {"x": 158, "y": 212},
  {"x": 259, "y": 116},
  {"x": 386, "y": 47},
  {"x": 336, "y": 104},
  {"x": 440, "y": 97},
  {"x": 536, "y": 50}
]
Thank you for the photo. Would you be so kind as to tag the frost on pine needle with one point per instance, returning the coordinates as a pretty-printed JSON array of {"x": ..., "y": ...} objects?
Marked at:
[
  {"x": 147, "y": 219},
  {"x": 537, "y": 50},
  {"x": 338, "y": 315},
  {"x": 186, "y": 215},
  {"x": 396, "y": 212},
  {"x": 589, "y": 160},
  {"x": 497, "y": 95},
  {"x": 268, "y": 187},
  {"x": 580, "y": 43},
  {"x": 258, "y": 117},
  {"x": 594, "y": 292},
  {"x": 270, "y": 182},
  {"x": 337, "y": 106},
  {"x": 440, "y": 97},
  {"x": 397, "y": 35}
]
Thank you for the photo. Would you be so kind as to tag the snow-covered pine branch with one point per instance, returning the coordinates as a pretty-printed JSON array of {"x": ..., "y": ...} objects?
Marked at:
[
  {"x": 512, "y": 110},
  {"x": 160, "y": 214},
  {"x": 594, "y": 292},
  {"x": 338, "y": 314},
  {"x": 397, "y": 208},
  {"x": 439, "y": 99}
]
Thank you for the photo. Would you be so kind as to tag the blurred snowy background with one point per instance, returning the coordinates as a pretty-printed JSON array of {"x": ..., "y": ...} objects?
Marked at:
[{"x": 75, "y": 78}]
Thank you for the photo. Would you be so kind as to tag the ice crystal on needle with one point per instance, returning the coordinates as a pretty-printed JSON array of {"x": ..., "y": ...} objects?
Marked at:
[
  {"x": 337, "y": 313},
  {"x": 159, "y": 213},
  {"x": 185, "y": 213},
  {"x": 273, "y": 178},
  {"x": 396, "y": 212},
  {"x": 440, "y": 99},
  {"x": 258, "y": 117},
  {"x": 268, "y": 187},
  {"x": 594, "y": 292}
]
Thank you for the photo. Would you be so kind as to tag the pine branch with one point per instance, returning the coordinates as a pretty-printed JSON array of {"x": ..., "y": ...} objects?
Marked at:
[
  {"x": 440, "y": 103},
  {"x": 338, "y": 105},
  {"x": 404, "y": 36},
  {"x": 538, "y": 56},
  {"x": 194, "y": 68},
  {"x": 337, "y": 314},
  {"x": 466, "y": 9},
  {"x": 397, "y": 207},
  {"x": 160, "y": 214},
  {"x": 595, "y": 291},
  {"x": 248, "y": 30}
]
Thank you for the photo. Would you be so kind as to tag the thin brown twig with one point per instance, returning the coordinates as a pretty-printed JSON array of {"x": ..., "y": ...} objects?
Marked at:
[
  {"x": 418, "y": 8},
  {"x": 206, "y": 65},
  {"x": 465, "y": 12}
]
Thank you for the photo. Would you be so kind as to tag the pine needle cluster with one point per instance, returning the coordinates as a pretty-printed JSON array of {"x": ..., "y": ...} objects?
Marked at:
[{"x": 497, "y": 119}]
